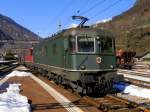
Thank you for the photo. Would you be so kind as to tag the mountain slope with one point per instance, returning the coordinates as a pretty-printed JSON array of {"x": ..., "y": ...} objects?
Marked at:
[
  {"x": 4, "y": 36},
  {"x": 14, "y": 31},
  {"x": 132, "y": 28}
]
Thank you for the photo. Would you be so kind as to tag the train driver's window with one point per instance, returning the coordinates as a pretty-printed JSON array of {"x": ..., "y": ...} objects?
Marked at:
[
  {"x": 85, "y": 44},
  {"x": 72, "y": 45},
  {"x": 107, "y": 45}
]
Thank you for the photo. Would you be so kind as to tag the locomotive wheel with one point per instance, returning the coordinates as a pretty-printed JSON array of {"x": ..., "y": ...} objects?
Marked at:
[
  {"x": 109, "y": 85},
  {"x": 56, "y": 81},
  {"x": 66, "y": 84},
  {"x": 89, "y": 90},
  {"x": 59, "y": 80},
  {"x": 83, "y": 89},
  {"x": 50, "y": 76},
  {"x": 104, "y": 87}
]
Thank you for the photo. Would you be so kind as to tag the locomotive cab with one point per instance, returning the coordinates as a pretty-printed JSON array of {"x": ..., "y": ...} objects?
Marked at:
[
  {"x": 90, "y": 57},
  {"x": 81, "y": 56},
  {"x": 92, "y": 53}
]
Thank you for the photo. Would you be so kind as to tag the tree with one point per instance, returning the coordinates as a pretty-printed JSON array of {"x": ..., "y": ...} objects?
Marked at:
[{"x": 9, "y": 56}]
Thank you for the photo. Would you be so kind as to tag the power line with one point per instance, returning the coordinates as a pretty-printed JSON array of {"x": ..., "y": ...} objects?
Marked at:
[
  {"x": 78, "y": 11},
  {"x": 94, "y": 6},
  {"x": 91, "y": 8},
  {"x": 83, "y": 7},
  {"x": 65, "y": 8},
  {"x": 62, "y": 11},
  {"x": 104, "y": 10},
  {"x": 67, "y": 21}
]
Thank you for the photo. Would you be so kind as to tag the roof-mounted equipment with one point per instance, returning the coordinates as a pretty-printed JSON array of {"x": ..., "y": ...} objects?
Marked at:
[{"x": 83, "y": 20}]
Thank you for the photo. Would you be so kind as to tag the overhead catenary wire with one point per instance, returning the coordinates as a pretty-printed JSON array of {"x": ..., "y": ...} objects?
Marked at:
[
  {"x": 62, "y": 11},
  {"x": 65, "y": 10},
  {"x": 90, "y": 9},
  {"x": 83, "y": 6},
  {"x": 69, "y": 18},
  {"x": 105, "y": 9},
  {"x": 78, "y": 11},
  {"x": 101, "y": 11},
  {"x": 94, "y": 6}
]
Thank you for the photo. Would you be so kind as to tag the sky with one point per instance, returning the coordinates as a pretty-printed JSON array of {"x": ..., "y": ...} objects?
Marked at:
[{"x": 44, "y": 16}]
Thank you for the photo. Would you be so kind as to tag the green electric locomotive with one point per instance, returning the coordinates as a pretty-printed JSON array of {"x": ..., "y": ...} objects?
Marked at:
[{"x": 82, "y": 58}]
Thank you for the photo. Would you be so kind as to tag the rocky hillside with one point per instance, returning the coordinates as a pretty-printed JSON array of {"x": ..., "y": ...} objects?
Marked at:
[
  {"x": 10, "y": 30},
  {"x": 4, "y": 36},
  {"x": 132, "y": 28}
]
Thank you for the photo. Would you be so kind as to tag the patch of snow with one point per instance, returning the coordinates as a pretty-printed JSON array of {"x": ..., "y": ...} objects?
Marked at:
[
  {"x": 73, "y": 25},
  {"x": 19, "y": 74},
  {"x": 21, "y": 68},
  {"x": 104, "y": 20},
  {"x": 15, "y": 63},
  {"x": 12, "y": 101},
  {"x": 3, "y": 61},
  {"x": 137, "y": 91}
]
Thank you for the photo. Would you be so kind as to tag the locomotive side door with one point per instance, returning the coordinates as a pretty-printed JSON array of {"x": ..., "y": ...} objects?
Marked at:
[{"x": 65, "y": 52}]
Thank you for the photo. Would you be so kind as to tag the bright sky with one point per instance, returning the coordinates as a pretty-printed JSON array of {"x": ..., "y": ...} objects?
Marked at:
[{"x": 44, "y": 16}]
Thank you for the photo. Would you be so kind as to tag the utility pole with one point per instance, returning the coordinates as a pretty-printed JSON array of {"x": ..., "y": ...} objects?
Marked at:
[{"x": 59, "y": 27}]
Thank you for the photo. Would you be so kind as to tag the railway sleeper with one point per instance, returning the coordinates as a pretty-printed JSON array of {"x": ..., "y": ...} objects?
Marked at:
[
  {"x": 110, "y": 106},
  {"x": 127, "y": 110}
]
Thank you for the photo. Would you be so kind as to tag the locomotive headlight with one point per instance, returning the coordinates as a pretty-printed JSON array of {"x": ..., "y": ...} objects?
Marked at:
[
  {"x": 83, "y": 67},
  {"x": 97, "y": 38},
  {"x": 111, "y": 66},
  {"x": 98, "y": 42}
]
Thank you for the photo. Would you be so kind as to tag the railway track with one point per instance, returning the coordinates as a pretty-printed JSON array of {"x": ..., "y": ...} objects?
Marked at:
[
  {"x": 139, "y": 83},
  {"x": 108, "y": 103},
  {"x": 111, "y": 103},
  {"x": 141, "y": 79},
  {"x": 6, "y": 69},
  {"x": 136, "y": 73}
]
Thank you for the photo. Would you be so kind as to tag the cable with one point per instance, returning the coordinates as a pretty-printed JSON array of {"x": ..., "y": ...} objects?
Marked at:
[
  {"x": 102, "y": 11},
  {"x": 62, "y": 11},
  {"x": 83, "y": 7},
  {"x": 95, "y": 5},
  {"x": 64, "y": 8},
  {"x": 91, "y": 8},
  {"x": 78, "y": 11}
]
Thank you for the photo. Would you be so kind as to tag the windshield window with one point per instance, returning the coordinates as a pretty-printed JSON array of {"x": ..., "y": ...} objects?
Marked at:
[
  {"x": 72, "y": 45},
  {"x": 106, "y": 45},
  {"x": 85, "y": 44}
]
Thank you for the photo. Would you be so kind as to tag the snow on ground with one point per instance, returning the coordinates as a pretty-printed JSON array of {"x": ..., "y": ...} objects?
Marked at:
[
  {"x": 21, "y": 68},
  {"x": 12, "y": 101},
  {"x": 137, "y": 91},
  {"x": 19, "y": 74}
]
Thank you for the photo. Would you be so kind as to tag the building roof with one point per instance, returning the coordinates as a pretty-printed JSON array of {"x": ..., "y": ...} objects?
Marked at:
[{"x": 142, "y": 55}]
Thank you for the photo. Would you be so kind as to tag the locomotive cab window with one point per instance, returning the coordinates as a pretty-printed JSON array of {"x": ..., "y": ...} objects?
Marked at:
[
  {"x": 86, "y": 44},
  {"x": 72, "y": 45},
  {"x": 107, "y": 45}
]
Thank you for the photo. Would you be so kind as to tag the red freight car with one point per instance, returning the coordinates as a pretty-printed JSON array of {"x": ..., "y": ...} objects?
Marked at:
[{"x": 27, "y": 55}]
